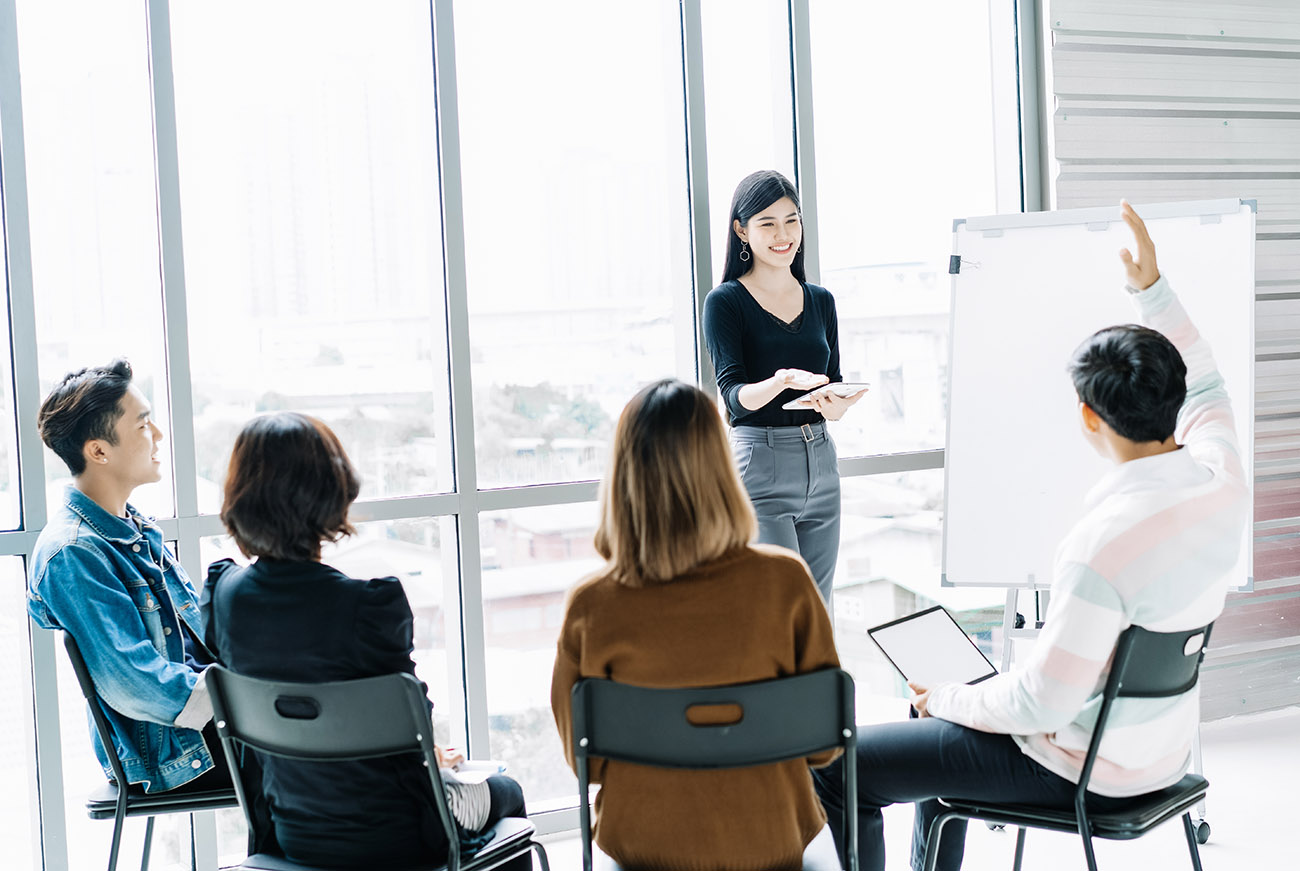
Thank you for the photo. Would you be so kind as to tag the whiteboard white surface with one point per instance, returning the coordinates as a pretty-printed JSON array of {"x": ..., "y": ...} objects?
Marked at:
[{"x": 1031, "y": 287}]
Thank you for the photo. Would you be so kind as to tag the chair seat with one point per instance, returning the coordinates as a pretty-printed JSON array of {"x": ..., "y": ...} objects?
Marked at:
[
  {"x": 819, "y": 855},
  {"x": 508, "y": 835},
  {"x": 101, "y": 804},
  {"x": 1134, "y": 819}
]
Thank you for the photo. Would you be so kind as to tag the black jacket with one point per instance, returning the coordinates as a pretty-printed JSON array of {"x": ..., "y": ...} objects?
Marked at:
[{"x": 307, "y": 622}]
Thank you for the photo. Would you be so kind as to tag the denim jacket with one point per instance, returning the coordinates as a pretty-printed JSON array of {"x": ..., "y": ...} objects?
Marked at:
[{"x": 121, "y": 594}]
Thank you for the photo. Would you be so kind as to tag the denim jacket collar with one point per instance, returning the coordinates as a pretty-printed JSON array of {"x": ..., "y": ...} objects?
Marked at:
[{"x": 119, "y": 530}]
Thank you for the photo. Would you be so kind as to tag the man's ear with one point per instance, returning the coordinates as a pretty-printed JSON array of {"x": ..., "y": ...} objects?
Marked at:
[
  {"x": 1091, "y": 420},
  {"x": 95, "y": 452}
]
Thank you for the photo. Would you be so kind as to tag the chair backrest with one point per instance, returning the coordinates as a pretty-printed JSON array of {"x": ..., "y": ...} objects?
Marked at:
[
  {"x": 651, "y": 726},
  {"x": 1146, "y": 665},
  {"x": 337, "y": 721},
  {"x": 1158, "y": 664},
  {"x": 761, "y": 723},
  {"x": 96, "y": 705}
]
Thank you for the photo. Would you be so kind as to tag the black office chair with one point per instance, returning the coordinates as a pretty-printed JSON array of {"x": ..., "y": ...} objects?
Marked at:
[
  {"x": 781, "y": 719},
  {"x": 347, "y": 720},
  {"x": 110, "y": 801},
  {"x": 1147, "y": 665}
]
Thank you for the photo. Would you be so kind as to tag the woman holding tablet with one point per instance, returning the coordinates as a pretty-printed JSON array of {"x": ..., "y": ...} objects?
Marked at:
[{"x": 773, "y": 337}]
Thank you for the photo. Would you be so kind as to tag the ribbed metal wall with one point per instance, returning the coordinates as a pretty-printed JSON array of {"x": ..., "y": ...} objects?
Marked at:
[{"x": 1161, "y": 100}]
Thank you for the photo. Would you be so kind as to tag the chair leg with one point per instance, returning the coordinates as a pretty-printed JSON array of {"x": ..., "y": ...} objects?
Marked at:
[
  {"x": 541, "y": 856},
  {"x": 1088, "y": 853},
  {"x": 119, "y": 820},
  {"x": 148, "y": 843},
  {"x": 1020, "y": 848},
  {"x": 1190, "y": 830},
  {"x": 932, "y": 842}
]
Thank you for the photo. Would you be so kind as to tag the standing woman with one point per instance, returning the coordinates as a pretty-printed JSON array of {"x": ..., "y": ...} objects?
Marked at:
[{"x": 773, "y": 336}]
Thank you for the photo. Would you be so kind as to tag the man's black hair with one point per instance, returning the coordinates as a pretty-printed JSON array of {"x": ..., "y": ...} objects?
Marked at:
[
  {"x": 1133, "y": 378},
  {"x": 85, "y": 405}
]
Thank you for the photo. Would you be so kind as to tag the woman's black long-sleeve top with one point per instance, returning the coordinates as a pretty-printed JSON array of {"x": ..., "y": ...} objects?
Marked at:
[{"x": 748, "y": 344}]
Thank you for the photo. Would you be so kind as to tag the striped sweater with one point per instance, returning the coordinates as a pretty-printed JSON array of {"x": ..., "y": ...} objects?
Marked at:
[{"x": 1155, "y": 546}]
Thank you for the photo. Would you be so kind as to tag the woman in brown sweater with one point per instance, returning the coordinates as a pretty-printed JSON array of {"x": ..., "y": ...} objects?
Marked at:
[{"x": 685, "y": 600}]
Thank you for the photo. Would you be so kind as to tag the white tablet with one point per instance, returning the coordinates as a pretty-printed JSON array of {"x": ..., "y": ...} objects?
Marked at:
[
  {"x": 843, "y": 388},
  {"x": 929, "y": 648}
]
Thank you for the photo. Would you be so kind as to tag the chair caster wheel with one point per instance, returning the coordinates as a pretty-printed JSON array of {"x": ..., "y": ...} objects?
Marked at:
[
  {"x": 997, "y": 827},
  {"x": 1202, "y": 831}
]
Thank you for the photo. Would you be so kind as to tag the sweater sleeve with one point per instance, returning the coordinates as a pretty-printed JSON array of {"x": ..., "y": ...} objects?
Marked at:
[
  {"x": 1205, "y": 422},
  {"x": 563, "y": 678},
  {"x": 723, "y": 330},
  {"x": 814, "y": 644},
  {"x": 1066, "y": 668}
]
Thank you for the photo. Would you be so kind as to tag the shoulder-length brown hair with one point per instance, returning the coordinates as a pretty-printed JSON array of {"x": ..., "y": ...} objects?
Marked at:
[
  {"x": 288, "y": 488},
  {"x": 671, "y": 500}
]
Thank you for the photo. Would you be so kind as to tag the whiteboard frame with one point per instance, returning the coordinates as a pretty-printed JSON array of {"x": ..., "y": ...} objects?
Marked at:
[{"x": 1100, "y": 215}]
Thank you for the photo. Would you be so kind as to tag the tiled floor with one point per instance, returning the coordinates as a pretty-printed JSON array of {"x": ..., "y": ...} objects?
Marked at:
[{"x": 1252, "y": 764}]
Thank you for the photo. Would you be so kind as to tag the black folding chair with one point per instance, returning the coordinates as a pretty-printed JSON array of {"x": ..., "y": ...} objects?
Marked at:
[
  {"x": 114, "y": 801},
  {"x": 345, "y": 721},
  {"x": 780, "y": 719},
  {"x": 1147, "y": 665}
]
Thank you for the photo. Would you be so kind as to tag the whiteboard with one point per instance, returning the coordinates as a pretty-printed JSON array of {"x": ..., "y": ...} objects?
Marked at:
[{"x": 1029, "y": 289}]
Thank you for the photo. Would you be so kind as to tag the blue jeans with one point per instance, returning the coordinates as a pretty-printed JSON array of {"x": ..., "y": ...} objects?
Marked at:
[{"x": 921, "y": 759}]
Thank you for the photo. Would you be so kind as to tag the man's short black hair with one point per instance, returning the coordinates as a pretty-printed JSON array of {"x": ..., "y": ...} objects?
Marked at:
[
  {"x": 1133, "y": 378},
  {"x": 85, "y": 405}
]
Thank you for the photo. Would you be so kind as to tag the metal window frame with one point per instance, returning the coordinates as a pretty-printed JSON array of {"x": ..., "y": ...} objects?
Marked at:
[{"x": 462, "y": 508}]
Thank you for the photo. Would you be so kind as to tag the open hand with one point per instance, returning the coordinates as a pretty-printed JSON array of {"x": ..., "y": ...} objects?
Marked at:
[
  {"x": 830, "y": 404},
  {"x": 799, "y": 379},
  {"x": 1141, "y": 270}
]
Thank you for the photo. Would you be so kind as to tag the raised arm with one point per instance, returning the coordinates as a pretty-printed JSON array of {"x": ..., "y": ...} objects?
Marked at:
[{"x": 1205, "y": 422}]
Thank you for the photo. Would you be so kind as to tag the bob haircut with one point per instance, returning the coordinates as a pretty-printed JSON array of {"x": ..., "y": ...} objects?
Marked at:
[
  {"x": 85, "y": 405},
  {"x": 1133, "y": 378},
  {"x": 755, "y": 193},
  {"x": 671, "y": 500},
  {"x": 288, "y": 488}
]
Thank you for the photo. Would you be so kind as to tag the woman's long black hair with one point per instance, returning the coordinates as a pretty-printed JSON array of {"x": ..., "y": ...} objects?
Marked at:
[{"x": 755, "y": 193}]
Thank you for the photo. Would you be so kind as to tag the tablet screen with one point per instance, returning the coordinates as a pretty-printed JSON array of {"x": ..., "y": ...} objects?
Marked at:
[{"x": 929, "y": 648}]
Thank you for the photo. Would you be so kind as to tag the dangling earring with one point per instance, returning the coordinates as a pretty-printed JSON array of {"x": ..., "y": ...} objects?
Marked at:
[{"x": 744, "y": 251}]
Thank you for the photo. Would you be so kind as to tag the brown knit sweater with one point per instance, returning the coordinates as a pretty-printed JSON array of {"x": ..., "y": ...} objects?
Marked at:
[{"x": 751, "y": 615}]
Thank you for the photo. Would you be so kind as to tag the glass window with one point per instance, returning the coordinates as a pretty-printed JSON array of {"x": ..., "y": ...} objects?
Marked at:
[
  {"x": 891, "y": 552},
  {"x": 313, "y": 235},
  {"x": 903, "y": 107},
  {"x": 576, "y": 225},
  {"x": 17, "y": 809},
  {"x": 750, "y": 115},
  {"x": 532, "y": 557},
  {"x": 90, "y": 177}
]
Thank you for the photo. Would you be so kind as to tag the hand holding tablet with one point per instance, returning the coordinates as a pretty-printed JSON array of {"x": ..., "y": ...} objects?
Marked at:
[{"x": 839, "y": 388}]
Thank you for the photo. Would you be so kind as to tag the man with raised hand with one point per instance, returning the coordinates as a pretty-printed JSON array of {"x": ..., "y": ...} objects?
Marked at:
[{"x": 1159, "y": 536}]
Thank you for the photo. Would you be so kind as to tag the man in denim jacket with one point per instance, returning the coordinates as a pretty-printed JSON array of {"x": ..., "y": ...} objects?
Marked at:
[{"x": 102, "y": 573}]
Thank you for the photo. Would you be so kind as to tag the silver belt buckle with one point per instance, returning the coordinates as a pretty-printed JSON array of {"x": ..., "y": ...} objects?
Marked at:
[{"x": 808, "y": 434}]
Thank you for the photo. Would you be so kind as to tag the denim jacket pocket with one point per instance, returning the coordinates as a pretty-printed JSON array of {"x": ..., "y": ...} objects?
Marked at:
[{"x": 150, "y": 611}]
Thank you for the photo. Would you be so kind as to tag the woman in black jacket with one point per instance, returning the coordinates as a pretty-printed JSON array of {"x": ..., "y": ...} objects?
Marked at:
[{"x": 290, "y": 617}]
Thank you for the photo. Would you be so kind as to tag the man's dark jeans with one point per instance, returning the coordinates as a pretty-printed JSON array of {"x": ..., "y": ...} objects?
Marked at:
[{"x": 919, "y": 760}]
